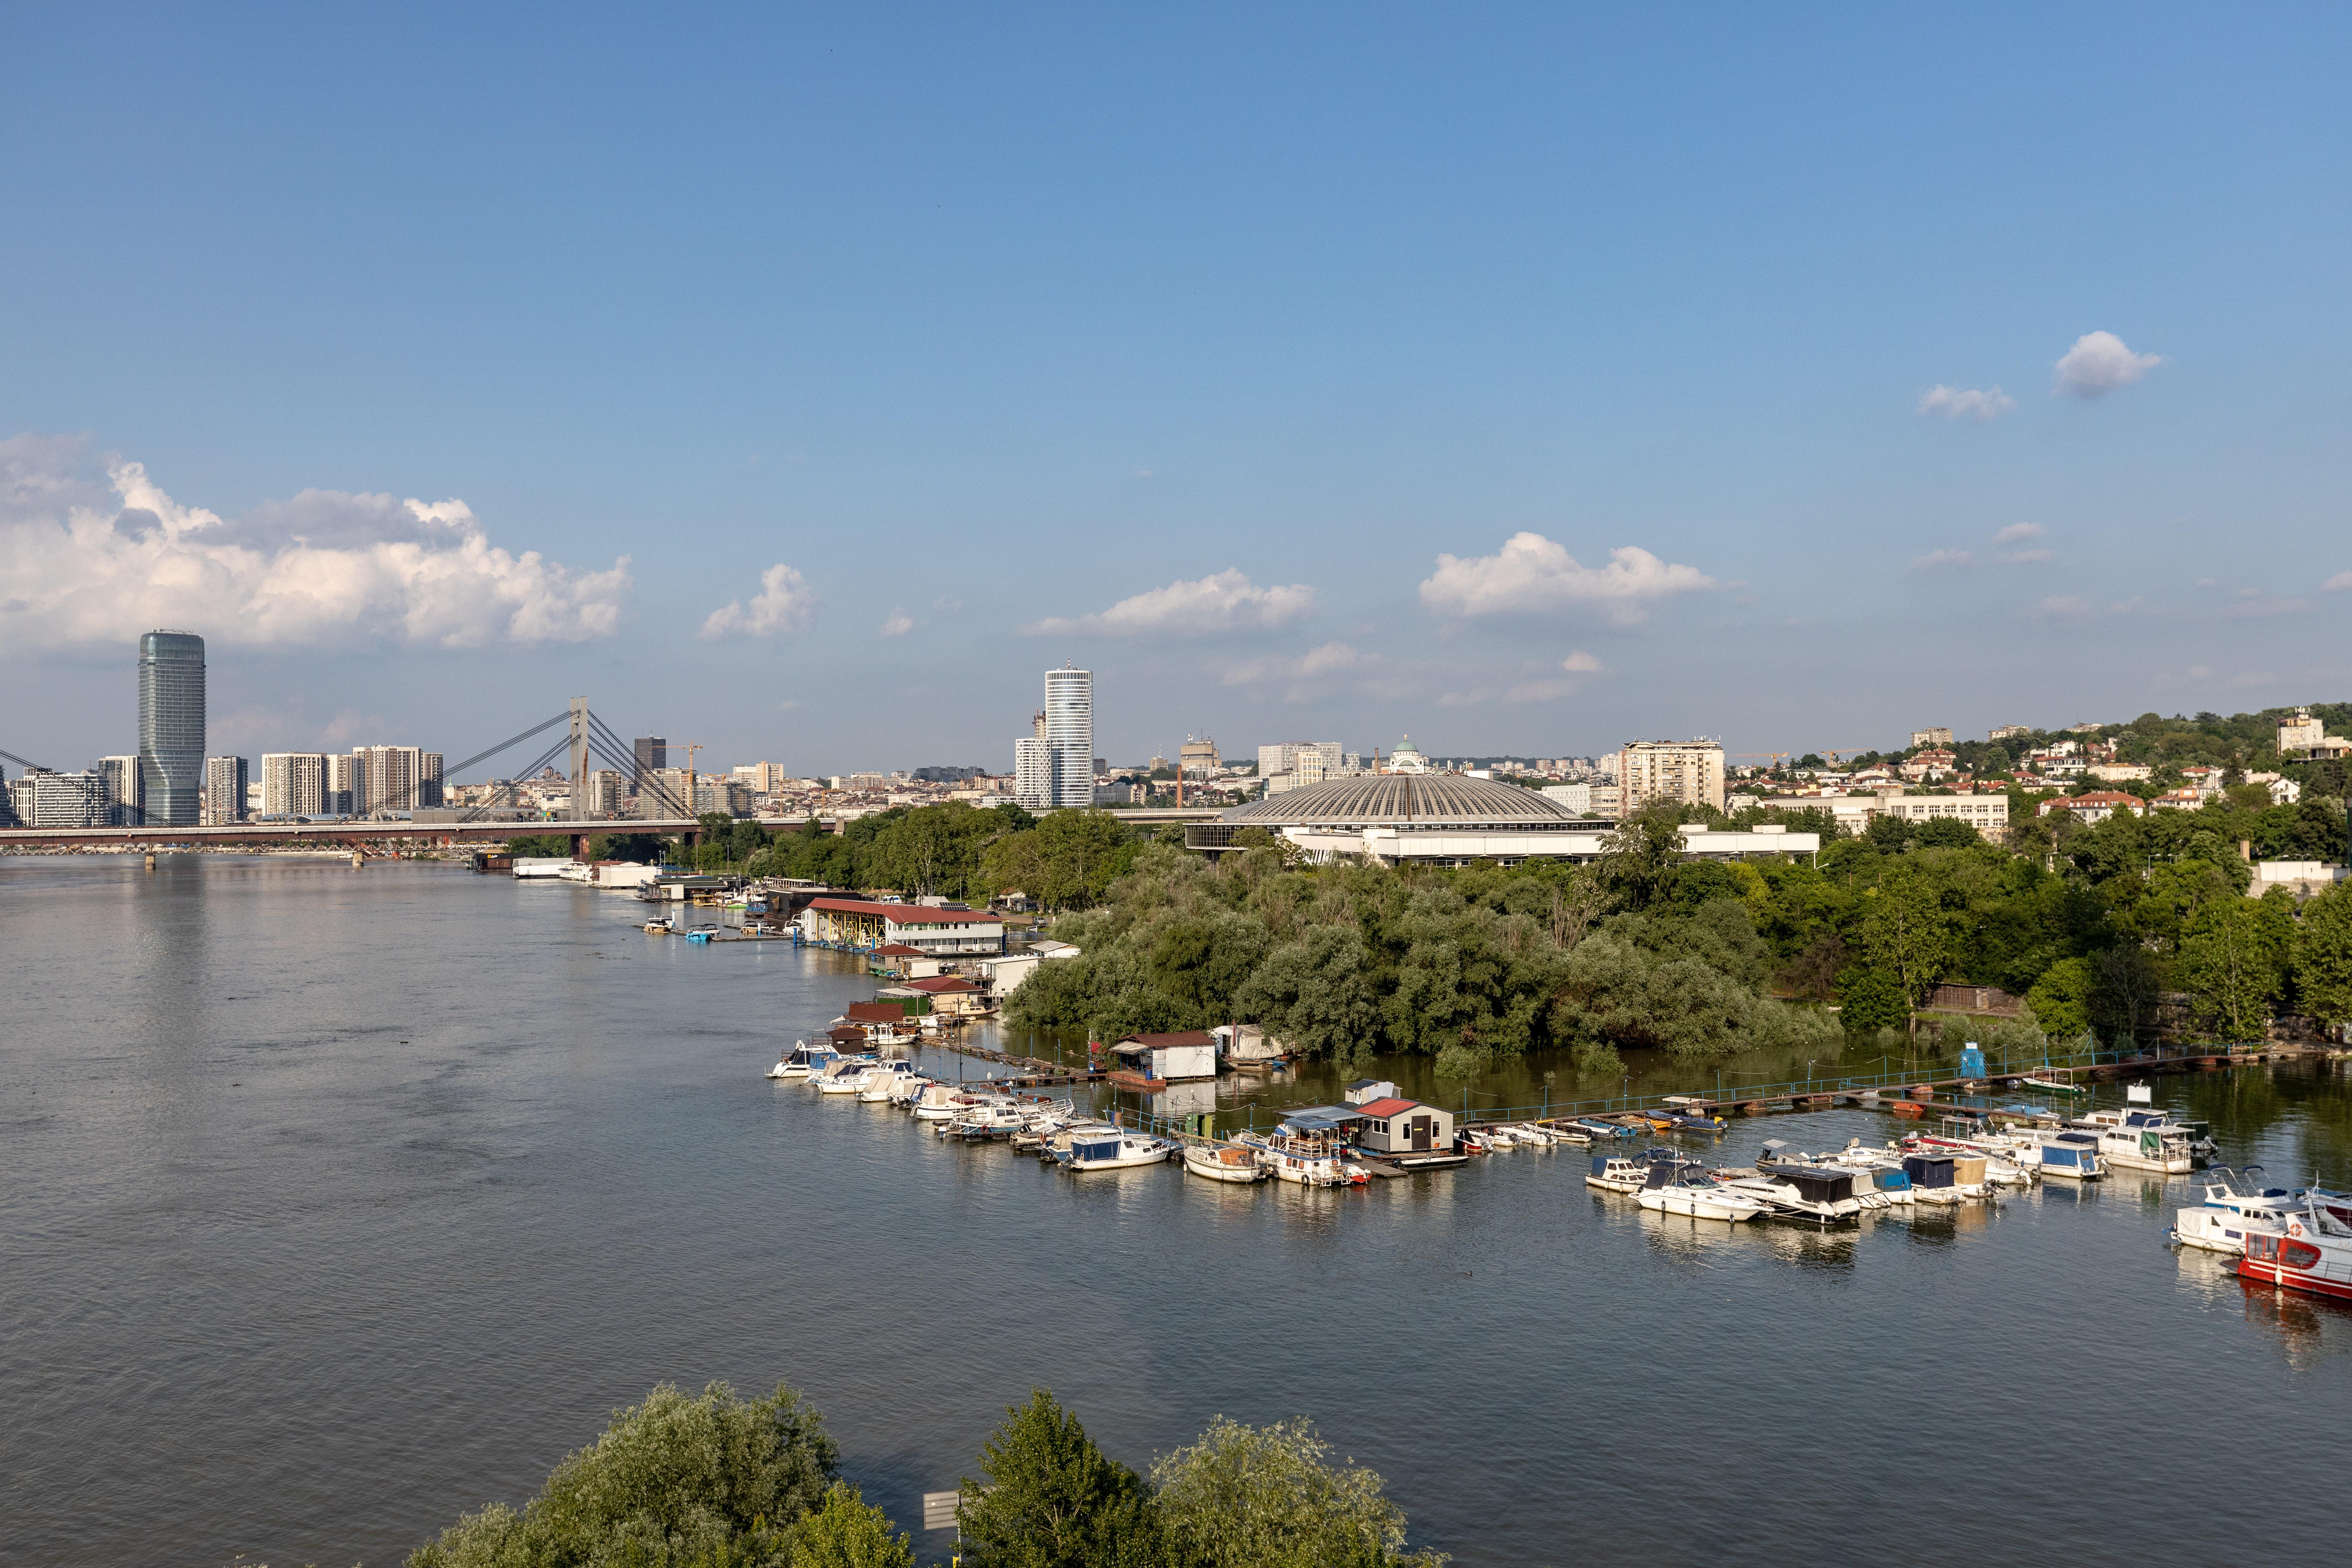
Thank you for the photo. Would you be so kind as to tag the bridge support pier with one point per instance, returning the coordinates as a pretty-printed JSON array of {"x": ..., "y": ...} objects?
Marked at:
[{"x": 580, "y": 847}]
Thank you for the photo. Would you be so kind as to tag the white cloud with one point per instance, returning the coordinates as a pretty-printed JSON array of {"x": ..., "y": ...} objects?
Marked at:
[
  {"x": 85, "y": 559},
  {"x": 1227, "y": 602},
  {"x": 899, "y": 624},
  {"x": 1939, "y": 559},
  {"x": 1532, "y": 574},
  {"x": 2338, "y": 583},
  {"x": 1580, "y": 663},
  {"x": 783, "y": 603},
  {"x": 1957, "y": 403},
  {"x": 2017, "y": 531},
  {"x": 1330, "y": 656},
  {"x": 2099, "y": 363}
]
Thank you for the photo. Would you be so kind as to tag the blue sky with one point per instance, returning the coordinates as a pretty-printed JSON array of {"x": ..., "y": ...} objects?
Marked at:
[{"x": 1524, "y": 379}]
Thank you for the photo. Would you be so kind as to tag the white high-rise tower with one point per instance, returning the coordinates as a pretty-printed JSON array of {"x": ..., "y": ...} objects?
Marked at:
[{"x": 1070, "y": 734}]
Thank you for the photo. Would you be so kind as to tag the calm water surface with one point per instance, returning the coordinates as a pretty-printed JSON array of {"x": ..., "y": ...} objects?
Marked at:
[{"x": 334, "y": 1204}]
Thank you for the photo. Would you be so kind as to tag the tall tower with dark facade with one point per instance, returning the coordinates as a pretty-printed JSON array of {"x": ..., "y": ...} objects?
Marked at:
[{"x": 172, "y": 727}]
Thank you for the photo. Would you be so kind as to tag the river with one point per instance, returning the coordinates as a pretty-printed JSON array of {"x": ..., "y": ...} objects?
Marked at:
[{"x": 335, "y": 1203}]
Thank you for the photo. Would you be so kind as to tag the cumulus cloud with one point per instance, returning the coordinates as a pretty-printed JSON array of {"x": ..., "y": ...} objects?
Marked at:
[
  {"x": 1331, "y": 657},
  {"x": 2099, "y": 363},
  {"x": 783, "y": 603},
  {"x": 2019, "y": 531},
  {"x": 1580, "y": 663},
  {"x": 2338, "y": 583},
  {"x": 99, "y": 553},
  {"x": 1959, "y": 402},
  {"x": 1532, "y": 574},
  {"x": 899, "y": 624},
  {"x": 1940, "y": 560},
  {"x": 1227, "y": 602}
]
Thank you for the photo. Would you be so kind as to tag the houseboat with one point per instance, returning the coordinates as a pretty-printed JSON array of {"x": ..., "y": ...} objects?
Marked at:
[
  {"x": 1151, "y": 1062},
  {"x": 2311, "y": 1250},
  {"x": 1412, "y": 1136},
  {"x": 1247, "y": 1048}
]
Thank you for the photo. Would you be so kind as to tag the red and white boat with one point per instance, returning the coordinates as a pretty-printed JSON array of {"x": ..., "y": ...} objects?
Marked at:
[{"x": 2310, "y": 1250}]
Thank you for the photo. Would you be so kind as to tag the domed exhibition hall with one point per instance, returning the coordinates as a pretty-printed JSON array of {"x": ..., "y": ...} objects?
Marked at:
[{"x": 1451, "y": 819}]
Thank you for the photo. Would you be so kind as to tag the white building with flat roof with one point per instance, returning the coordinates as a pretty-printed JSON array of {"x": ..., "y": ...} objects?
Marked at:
[
  {"x": 293, "y": 783},
  {"x": 1070, "y": 735},
  {"x": 1688, "y": 772}
]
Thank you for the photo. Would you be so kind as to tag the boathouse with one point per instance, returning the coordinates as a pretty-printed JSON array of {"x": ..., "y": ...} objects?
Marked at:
[
  {"x": 1169, "y": 1059},
  {"x": 1403, "y": 1127},
  {"x": 864, "y": 925}
]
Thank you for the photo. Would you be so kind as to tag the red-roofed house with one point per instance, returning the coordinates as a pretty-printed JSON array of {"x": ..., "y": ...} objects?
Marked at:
[
  {"x": 1403, "y": 1127},
  {"x": 2097, "y": 805},
  {"x": 863, "y": 925}
]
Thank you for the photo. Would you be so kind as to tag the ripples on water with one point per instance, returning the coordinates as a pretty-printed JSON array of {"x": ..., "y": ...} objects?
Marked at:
[{"x": 332, "y": 1204}]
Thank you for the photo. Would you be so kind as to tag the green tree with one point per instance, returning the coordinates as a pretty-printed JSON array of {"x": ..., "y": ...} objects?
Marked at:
[
  {"x": 2322, "y": 957},
  {"x": 1053, "y": 1499},
  {"x": 1270, "y": 1497},
  {"x": 2060, "y": 999},
  {"x": 846, "y": 1533},
  {"x": 1907, "y": 935},
  {"x": 2230, "y": 969},
  {"x": 675, "y": 1479},
  {"x": 1639, "y": 859}
]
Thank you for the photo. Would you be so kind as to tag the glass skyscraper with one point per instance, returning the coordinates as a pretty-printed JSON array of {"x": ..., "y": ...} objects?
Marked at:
[
  {"x": 1070, "y": 732},
  {"x": 172, "y": 727}
]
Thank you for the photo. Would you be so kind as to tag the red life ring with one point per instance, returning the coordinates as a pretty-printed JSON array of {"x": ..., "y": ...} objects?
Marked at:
[{"x": 2295, "y": 1227}]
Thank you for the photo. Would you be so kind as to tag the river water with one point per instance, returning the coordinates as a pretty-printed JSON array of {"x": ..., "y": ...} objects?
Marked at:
[{"x": 333, "y": 1204}]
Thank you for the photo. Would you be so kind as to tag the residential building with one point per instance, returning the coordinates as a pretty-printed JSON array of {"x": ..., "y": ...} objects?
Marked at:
[
  {"x": 386, "y": 780},
  {"x": 2303, "y": 879},
  {"x": 1306, "y": 765},
  {"x": 2120, "y": 773},
  {"x": 1032, "y": 773},
  {"x": 1690, "y": 771},
  {"x": 2006, "y": 731},
  {"x": 46, "y": 799},
  {"x": 1577, "y": 797},
  {"x": 293, "y": 783},
  {"x": 428, "y": 778},
  {"x": 1158, "y": 765},
  {"x": 2096, "y": 805},
  {"x": 606, "y": 791},
  {"x": 1199, "y": 758},
  {"x": 342, "y": 788},
  {"x": 125, "y": 799},
  {"x": 731, "y": 796},
  {"x": 1940, "y": 735},
  {"x": 1926, "y": 764},
  {"x": 2306, "y": 739},
  {"x": 768, "y": 778},
  {"x": 171, "y": 726},
  {"x": 1988, "y": 814},
  {"x": 224, "y": 783},
  {"x": 662, "y": 795}
]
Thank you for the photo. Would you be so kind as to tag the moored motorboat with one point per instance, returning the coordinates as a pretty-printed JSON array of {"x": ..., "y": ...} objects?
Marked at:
[
  {"x": 804, "y": 1059},
  {"x": 1683, "y": 1187},
  {"x": 1121, "y": 1151},
  {"x": 1807, "y": 1192},
  {"x": 1225, "y": 1162},
  {"x": 1617, "y": 1173},
  {"x": 2311, "y": 1250}
]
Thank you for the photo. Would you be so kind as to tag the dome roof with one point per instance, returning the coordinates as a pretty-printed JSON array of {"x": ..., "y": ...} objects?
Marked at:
[{"x": 1382, "y": 800}]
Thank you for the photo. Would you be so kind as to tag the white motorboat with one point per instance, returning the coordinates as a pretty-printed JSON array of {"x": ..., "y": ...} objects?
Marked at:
[
  {"x": 1567, "y": 1133},
  {"x": 2236, "y": 1205},
  {"x": 804, "y": 1059},
  {"x": 1683, "y": 1187},
  {"x": 886, "y": 1080},
  {"x": 1497, "y": 1137},
  {"x": 940, "y": 1102},
  {"x": 843, "y": 1076},
  {"x": 2310, "y": 1250},
  {"x": 1058, "y": 1146},
  {"x": 1528, "y": 1132},
  {"x": 1617, "y": 1173},
  {"x": 1807, "y": 1192},
  {"x": 1225, "y": 1162},
  {"x": 1119, "y": 1152},
  {"x": 2003, "y": 1167},
  {"x": 985, "y": 1119}
]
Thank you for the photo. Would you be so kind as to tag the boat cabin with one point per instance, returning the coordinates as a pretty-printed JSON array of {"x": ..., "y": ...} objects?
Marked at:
[
  {"x": 1169, "y": 1059},
  {"x": 1397, "y": 1126},
  {"x": 1369, "y": 1089}
]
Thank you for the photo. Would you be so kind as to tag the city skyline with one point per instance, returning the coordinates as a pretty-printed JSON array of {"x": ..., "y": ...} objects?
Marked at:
[{"x": 1514, "y": 389}]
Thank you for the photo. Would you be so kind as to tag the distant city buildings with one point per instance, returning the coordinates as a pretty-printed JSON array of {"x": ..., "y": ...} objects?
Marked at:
[
  {"x": 2008, "y": 732},
  {"x": 1939, "y": 736},
  {"x": 2306, "y": 739},
  {"x": 126, "y": 797},
  {"x": 1198, "y": 758}
]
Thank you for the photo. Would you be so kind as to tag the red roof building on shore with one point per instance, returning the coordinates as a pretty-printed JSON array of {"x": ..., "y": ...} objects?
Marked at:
[{"x": 865, "y": 925}]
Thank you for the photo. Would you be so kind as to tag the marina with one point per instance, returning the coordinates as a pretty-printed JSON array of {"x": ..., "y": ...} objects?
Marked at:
[{"x": 413, "y": 1245}]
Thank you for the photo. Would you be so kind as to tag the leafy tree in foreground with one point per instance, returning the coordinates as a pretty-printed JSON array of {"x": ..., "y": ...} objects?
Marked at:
[
  {"x": 1053, "y": 1499},
  {"x": 847, "y": 1533},
  {"x": 1907, "y": 935},
  {"x": 2322, "y": 957},
  {"x": 1270, "y": 1497},
  {"x": 711, "y": 1478}
]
